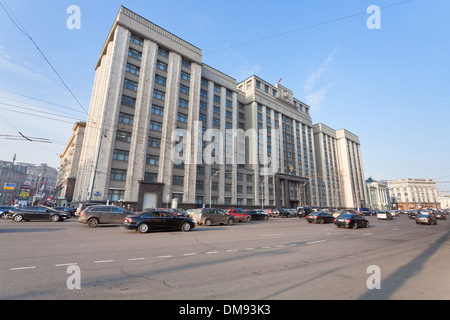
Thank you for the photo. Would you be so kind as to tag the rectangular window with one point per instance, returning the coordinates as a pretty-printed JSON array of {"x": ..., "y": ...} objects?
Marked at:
[
  {"x": 152, "y": 160},
  {"x": 178, "y": 180},
  {"x": 158, "y": 110},
  {"x": 117, "y": 174},
  {"x": 116, "y": 195},
  {"x": 135, "y": 54},
  {"x": 125, "y": 118},
  {"x": 163, "y": 52},
  {"x": 155, "y": 126},
  {"x": 202, "y": 117},
  {"x": 161, "y": 80},
  {"x": 120, "y": 155},
  {"x": 134, "y": 38},
  {"x": 131, "y": 68},
  {"x": 161, "y": 66},
  {"x": 128, "y": 101},
  {"x": 154, "y": 142},
  {"x": 182, "y": 117},
  {"x": 185, "y": 76},
  {"x": 203, "y": 105},
  {"x": 186, "y": 63},
  {"x": 123, "y": 136},
  {"x": 216, "y": 98},
  {"x": 150, "y": 177},
  {"x": 159, "y": 95},
  {"x": 216, "y": 110},
  {"x": 203, "y": 93},
  {"x": 130, "y": 85},
  {"x": 184, "y": 89},
  {"x": 183, "y": 103}
]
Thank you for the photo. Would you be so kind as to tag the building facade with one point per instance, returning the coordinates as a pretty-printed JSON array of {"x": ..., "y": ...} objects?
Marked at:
[
  {"x": 412, "y": 193},
  {"x": 164, "y": 127},
  {"x": 378, "y": 196}
]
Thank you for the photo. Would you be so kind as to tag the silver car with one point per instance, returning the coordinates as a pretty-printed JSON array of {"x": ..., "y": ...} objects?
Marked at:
[
  {"x": 210, "y": 216},
  {"x": 102, "y": 214}
]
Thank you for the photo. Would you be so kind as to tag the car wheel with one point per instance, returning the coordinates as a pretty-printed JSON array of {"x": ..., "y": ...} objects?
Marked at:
[
  {"x": 355, "y": 226},
  {"x": 230, "y": 222},
  {"x": 143, "y": 228},
  {"x": 54, "y": 218},
  {"x": 367, "y": 224},
  {"x": 208, "y": 222},
  {"x": 185, "y": 227},
  {"x": 4, "y": 216},
  {"x": 93, "y": 223},
  {"x": 247, "y": 220},
  {"x": 18, "y": 218}
]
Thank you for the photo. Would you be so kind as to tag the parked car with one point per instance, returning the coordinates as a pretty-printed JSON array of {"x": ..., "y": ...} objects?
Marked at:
[
  {"x": 155, "y": 220},
  {"x": 4, "y": 211},
  {"x": 239, "y": 215},
  {"x": 103, "y": 214},
  {"x": 440, "y": 216},
  {"x": 304, "y": 211},
  {"x": 412, "y": 214},
  {"x": 384, "y": 215},
  {"x": 70, "y": 211},
  {"x": 280, "y": 212},
  {"x": 42, "y": 213},
  {"x": 426, "y": 219},
  {"x": 210, "y": 216},
  {"x": 178, "y": 212},
  {"x": 351, "y": 220},
  {"x": 320, "y": 217},
  {"x": 258, "y": 214}
]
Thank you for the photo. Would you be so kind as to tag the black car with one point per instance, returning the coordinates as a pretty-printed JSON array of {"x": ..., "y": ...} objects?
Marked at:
[
  {"x": 320, "y": 217},
  {"x": 258, "y": 214},
  {"x": 4, "y": 210},
  {"x": 351, "y": 220},
  {"x": 38, "y": 213},
  {"x": 440, "y": 216},
  {"x": 304, "y": 212},
  {"x": 158, "y": 220},
  {"x": 280, "y": 212},
  {"x": 70, "y": 211},
  {"x": 426, "y": 219}
]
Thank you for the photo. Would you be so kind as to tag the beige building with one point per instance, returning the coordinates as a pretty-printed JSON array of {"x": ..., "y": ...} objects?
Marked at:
[
  {"x": 165, "y": 128},
  {"x": 68, "y": 168},
  {"x": 412, "y": 193},
  {"x": 340, "y": 169}
]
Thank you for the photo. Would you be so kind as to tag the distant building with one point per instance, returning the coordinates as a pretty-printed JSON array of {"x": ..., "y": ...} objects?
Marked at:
[
  {"x": 68, "y": 167},
  {"x": 412, "y": 193},
  {"x": 42, "y": 180},
  {"x": 12, "y": 177},
  {"x": 378, "y": 197}
]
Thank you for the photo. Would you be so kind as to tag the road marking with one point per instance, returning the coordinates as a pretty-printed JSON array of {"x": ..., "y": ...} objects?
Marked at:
[
  {"x": 163, "y": 257},
  {"x": 249, "y": 248},
  {"x": 231, "y": 250},
  {"x": 271, "y": 235},
  {"x": 367, "y": 234},
  {"x": 313, "y": 242},
  {"x": 395, "y": 229},
  {"x": 136, "y": 259},
  {"x": 104, "y": 261},
  {"x": 65, "y": 264},
  {"x": 22, "y": 268},
  {"x": 189, "y": 254},
  {"x": 212, "y": 252},
  {"x": 266, "y": 247}
]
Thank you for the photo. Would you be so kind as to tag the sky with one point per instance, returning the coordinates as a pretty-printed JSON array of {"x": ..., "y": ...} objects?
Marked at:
[{"x": 389, "y": 86}]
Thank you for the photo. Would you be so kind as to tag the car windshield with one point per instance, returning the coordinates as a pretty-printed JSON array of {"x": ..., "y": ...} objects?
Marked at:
[
  {"x": 346, "y": 215},
  {"x": 422, "y": 216}
]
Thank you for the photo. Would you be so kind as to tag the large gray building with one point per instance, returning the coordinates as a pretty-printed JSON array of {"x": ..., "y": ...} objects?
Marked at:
[{"x": 164, "y": 126}]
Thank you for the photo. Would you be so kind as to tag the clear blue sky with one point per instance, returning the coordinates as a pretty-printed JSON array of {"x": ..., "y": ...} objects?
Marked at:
[{"x": 390, "y": 86}]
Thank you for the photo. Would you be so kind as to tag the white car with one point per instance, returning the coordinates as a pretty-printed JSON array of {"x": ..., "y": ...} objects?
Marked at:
[{"x": 384, "y": 215}]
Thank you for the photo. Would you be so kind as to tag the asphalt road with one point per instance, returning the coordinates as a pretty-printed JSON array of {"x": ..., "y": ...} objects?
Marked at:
[{"x": 277, "y": 259}]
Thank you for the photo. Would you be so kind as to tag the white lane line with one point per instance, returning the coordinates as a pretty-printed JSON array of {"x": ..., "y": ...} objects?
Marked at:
[
  {"x": 395, "y": 229},
  {"x": 249, "y": 249},
  {"x": 136, "y": 259},
  {"x": 65, "y": 264},
  {"x": 367, "y": 234},
  {"x": 163, "y": 257},
  {"x": 271, "y": 235},
  {"x": 189, "y": 254},
  {"x": 22, "y": 268},
  {"x": 231, "y": 250},
  {"x": 266, "y": 247},
  {"x": 104, "y": 261},
  {"x": 313, "y": 242},
  {"x": 212, "y": 252}
]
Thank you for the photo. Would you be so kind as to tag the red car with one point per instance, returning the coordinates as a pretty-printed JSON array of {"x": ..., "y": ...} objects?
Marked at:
[{"x": 239, "y": 215}]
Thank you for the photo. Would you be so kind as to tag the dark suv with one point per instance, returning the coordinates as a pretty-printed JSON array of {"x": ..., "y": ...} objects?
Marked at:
[{"x": 103, "y": 214}]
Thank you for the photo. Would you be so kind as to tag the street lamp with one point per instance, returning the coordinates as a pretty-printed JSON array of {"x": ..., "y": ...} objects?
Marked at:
[{"x": 215, "y": 174}]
